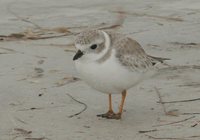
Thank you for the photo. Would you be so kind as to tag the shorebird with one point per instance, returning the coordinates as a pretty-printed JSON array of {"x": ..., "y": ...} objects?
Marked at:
[{"x": 112, "y": 63}]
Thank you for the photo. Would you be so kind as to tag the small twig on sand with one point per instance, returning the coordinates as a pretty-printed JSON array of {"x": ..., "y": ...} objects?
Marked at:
[
  {"x": 146, "y": 131},
  {"x": 43, "y": 138},
  {"x": 41, "y": 108},
  {"x": 32, "y": 108},
  {"x": 175, "y": 122},
  {"x": 194, "y": 125},
  {"x": 23, "y": 132},
  {"x": 48, "y": 37},
  {"x": 85, "y": 106},
  {"x": 118, "y": 23},
  {"x": 110, "y": 27},
  {"x": 21, "y": 120},
  {"x": 189, "y": 100},
  {"x": 7, "y": 49},
  {"x": 195, "y": 113},
  {"x": 160, "y": 100},
  {"x": 9, "y": 7},
  {"x": 170, "y": 138},
  {"x": 167, "y": 138},
  {"x": 167, "y": 18},
  {"x": 22, "y": 36}
]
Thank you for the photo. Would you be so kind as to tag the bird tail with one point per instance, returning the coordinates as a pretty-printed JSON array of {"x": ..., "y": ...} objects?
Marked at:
[
  {"x": 160, "y": 59},
  {"x": 155, "y": 60}
]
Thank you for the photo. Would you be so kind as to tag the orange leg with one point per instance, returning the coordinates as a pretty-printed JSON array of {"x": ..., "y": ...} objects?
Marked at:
[
  {"x": 110, "y": 112},
  {"x": 110, "y": 103},
  {"x": 119, "y": 114}
]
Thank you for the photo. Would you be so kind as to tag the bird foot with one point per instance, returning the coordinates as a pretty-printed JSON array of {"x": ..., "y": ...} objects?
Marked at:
[{"x": 110, "y": 115}]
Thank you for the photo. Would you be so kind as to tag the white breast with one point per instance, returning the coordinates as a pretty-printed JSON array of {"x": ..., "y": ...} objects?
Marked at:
[{"x": 108, "y": 77}]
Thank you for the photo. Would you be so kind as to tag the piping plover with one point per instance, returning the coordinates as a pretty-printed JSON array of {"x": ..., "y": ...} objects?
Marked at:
[{"x": 112, "y": 63}]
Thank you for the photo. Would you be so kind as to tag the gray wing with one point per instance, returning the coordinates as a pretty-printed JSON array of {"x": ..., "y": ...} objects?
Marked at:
[{"x": 131, "y": 55}]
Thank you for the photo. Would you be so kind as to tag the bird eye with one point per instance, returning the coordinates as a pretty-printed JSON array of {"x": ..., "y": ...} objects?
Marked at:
[{"x": 94, "y": 46}]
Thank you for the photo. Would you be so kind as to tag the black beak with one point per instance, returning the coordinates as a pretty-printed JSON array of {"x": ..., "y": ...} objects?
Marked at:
[{"x": 78, "y": 54}]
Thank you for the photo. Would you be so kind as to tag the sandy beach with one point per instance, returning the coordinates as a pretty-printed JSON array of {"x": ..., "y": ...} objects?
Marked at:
[{"x": 40, "y": 90}]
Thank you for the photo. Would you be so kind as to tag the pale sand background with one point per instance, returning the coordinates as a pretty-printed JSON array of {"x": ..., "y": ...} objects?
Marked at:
[{"x": 33, "y": 103}]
